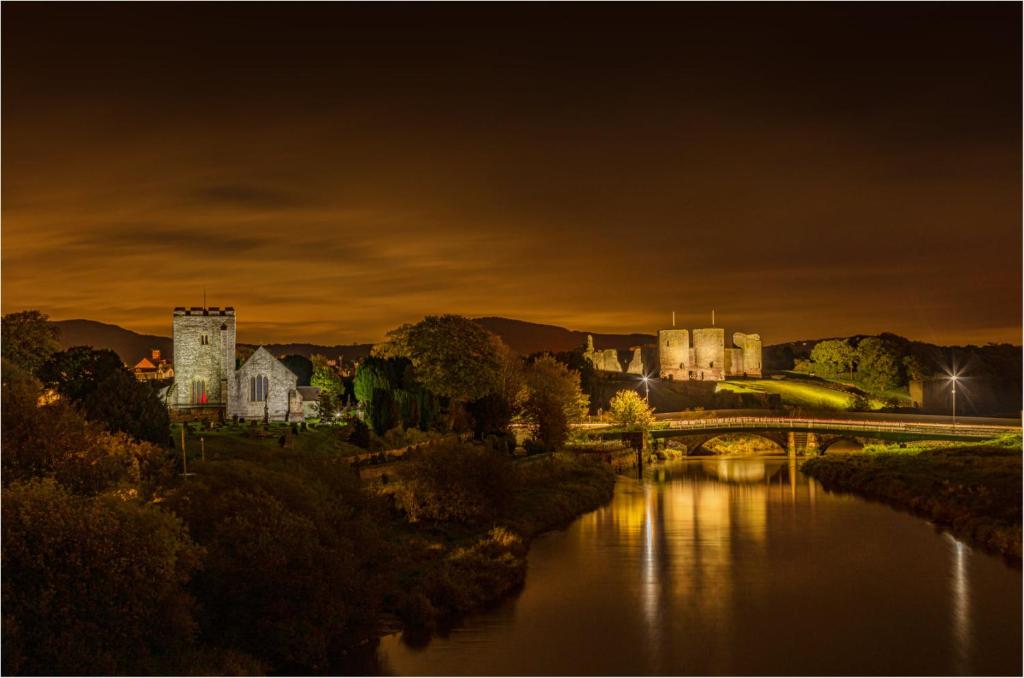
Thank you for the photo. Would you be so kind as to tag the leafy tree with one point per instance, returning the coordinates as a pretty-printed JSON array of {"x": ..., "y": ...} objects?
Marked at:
[
  {"x": 914, "y": 368},
  {"x": 92, "y": 585},
  {"x": 326, "y": 378},
  {"x": 78, "y": 371},
  {"x": 589, "y": 380},
  {"x": 107, "y": 392},
  {"x": 833, "y": 357},
  {"x": 242, "y": 353},
  {"x": 56, "y": 441},
  {"x": 453, "y": 356},
  {"x": 878, "y": 364},
  {"x": 122, "y": 403},
  {"x": 27, "y": 339},
  {"x": 301, "y": 367},
  {"x": 553, "y": 400},
  {"x": 630, "y": 411}
]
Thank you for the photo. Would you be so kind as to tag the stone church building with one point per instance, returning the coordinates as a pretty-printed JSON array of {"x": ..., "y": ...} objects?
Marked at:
[{"x": 208, "y": 385}]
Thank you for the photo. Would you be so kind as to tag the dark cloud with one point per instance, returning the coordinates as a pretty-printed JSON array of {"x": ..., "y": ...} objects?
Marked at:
[
  {"x": 247, "y": 197},
  {"x": 334, "y": 170}
]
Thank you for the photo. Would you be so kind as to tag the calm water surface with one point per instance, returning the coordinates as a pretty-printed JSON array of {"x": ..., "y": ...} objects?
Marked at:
[{"x": 740, "y": 566}]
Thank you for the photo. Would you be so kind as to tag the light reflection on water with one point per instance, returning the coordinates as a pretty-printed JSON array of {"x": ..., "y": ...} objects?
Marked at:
[{"x": 740, "y": 566}]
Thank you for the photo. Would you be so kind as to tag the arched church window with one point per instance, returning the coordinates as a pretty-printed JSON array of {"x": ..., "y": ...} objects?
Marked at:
[
  {"x": 259, "y": 388},
  {"x": 198, "y": 392}
]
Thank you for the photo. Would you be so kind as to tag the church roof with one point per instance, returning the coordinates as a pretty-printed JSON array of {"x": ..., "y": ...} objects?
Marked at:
[
  {"x": 270, "y": 355},
  {"x": 309, "y": 393}
]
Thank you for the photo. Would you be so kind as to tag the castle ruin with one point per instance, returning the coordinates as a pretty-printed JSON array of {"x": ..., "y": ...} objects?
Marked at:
[{"x": 707, "y": 358}]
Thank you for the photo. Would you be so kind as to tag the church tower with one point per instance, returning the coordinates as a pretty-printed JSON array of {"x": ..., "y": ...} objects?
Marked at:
[{"x": 204, "y": 359}]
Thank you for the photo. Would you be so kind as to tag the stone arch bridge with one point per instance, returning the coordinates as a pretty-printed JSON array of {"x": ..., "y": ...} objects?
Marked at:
[{"x": 814, "y": 435}]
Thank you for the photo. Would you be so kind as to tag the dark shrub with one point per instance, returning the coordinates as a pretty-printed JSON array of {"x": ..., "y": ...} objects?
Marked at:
[
  {"x": 453, "y": 481},
  {"x": 92, "y": 585}
]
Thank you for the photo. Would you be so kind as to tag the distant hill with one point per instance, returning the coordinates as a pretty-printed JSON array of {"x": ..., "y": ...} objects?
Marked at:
[
  {"x": 526, "y": 337},
  {"x": 131, "y": 346},
  {"x": 523, "y": 337}
]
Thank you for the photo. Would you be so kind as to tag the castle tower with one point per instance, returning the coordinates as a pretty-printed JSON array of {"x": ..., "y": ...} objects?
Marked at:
[
  {"x": 750, "y": 344},
  {"x": 204, "y": 358},
  {"x": 674, "y": 354},
  {"x": 709, "y": 353}
]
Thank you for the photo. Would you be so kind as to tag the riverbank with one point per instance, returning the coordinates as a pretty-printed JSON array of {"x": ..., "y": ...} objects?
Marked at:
[
  {"x": 465, "y": 533},
  {"x": 972, "y": 490},
  {"x": 290, "y": 534}
]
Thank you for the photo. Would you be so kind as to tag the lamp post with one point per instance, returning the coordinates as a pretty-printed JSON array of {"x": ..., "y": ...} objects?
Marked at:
[
  {"x": 647, "y": 389},
  {"x": 952, "y": 380}
]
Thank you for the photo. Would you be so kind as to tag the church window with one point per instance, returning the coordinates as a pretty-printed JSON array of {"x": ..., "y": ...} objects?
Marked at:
[
  {"x": 259, "y": 388},
  {"x": 204, "y": 340},
  {"x": 199, "y": 392}
]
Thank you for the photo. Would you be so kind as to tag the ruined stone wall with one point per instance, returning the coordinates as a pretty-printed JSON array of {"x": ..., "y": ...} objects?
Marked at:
[
  {"x": 674, "y": 354},
  {"x": 734, "y": 362},
  {"x": 282, "y": 382},
  {"x": 204, "y": 349},
  {"x": 606, "y": 360},
  {"x": 636, "y": 363},
  {"x": 750, "y": 344},
  {"x": 709, "y": 353}
]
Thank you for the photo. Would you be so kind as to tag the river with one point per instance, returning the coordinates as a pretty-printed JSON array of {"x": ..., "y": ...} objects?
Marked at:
[{"x": 739, "y": 566}]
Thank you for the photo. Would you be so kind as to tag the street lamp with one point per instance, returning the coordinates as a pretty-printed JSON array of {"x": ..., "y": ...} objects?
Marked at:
[
  {"x": 952, "y": 380},
  {"x": 647, "y": 389}
]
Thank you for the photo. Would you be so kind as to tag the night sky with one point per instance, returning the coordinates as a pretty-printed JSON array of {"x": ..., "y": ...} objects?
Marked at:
[{"x": 332, "y": 171}]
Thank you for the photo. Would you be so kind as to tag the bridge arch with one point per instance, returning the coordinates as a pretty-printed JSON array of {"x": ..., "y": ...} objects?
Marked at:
[
  {"x": 777, "y": 442},
  {"x": 847, "y": 441}
]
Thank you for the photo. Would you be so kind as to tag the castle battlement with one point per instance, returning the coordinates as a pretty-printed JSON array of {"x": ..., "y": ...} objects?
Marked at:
[{"x": 200, "y": 310}]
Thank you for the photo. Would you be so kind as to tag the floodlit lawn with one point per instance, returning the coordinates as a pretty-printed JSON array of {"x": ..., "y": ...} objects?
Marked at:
[
  {"x": 793, "y": 392},
  {"x": 901, "y": 395}
]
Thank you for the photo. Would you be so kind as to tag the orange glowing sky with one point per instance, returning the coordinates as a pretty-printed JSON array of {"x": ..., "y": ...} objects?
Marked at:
[{"x": 333, "y": 171}]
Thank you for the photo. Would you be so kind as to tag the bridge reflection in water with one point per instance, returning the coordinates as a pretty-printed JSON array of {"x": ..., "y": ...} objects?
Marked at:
[{"x": 741, "y": 566}]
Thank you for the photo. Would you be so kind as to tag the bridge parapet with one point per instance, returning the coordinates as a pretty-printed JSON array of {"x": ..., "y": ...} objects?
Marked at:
[{"x": 913, "y": 429}]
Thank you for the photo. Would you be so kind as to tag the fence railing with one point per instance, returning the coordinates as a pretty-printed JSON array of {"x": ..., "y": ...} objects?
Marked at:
[{"x": 814, "y": 424}]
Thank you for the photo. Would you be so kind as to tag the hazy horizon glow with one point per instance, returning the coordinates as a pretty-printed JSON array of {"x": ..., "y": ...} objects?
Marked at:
[{"x": 333, "y": 171}]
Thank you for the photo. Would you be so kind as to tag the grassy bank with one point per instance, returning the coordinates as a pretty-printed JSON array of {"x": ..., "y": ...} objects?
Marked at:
[
  {"x": 800, "y": 393},
  {"x": 973, "y": 490},
  {"x": 465, "y": 532}
]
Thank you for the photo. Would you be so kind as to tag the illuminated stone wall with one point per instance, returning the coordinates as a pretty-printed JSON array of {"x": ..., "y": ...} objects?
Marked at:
[
  {"x": 707, "y": 358},
  {"x": 204, "y": 350},
  {"x": 708, "y": 353},
  {"x": 734, "y": 362},
  {"x": 283, "y": 385},
  {"x": 636, "y": 363},
  {"x": 674, "y": 354},
  {"x": 606, "y": 360},
  {"x": 750, "y": 344}
]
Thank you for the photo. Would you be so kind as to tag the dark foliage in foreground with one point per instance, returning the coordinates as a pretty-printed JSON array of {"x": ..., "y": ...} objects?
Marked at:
[
  {"x": 975, "y": 491},
  {"x": 92, "y": 584},
  {"x": 265, "y": 559},
  {"x": 293, "y": 557}
]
